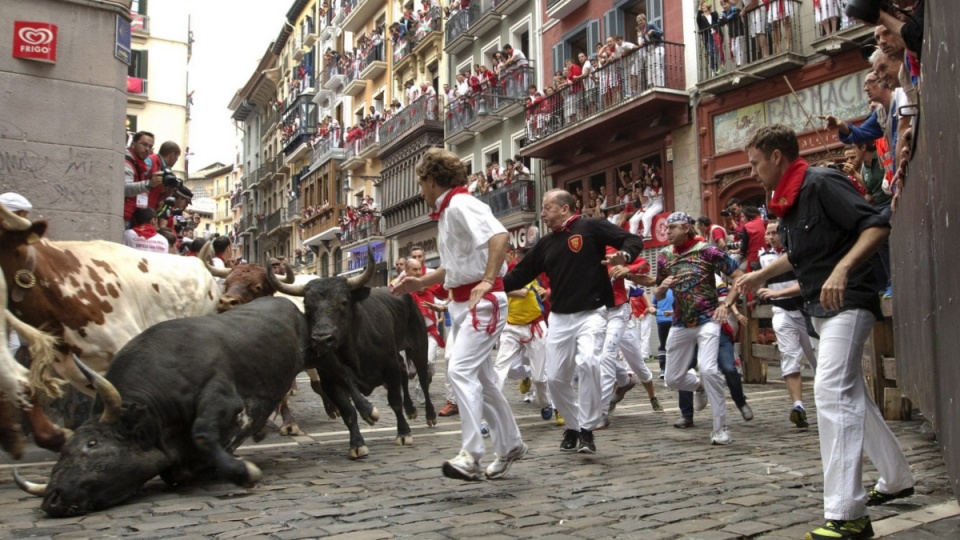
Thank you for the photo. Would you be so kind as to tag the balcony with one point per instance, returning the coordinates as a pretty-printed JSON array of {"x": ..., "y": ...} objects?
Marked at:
[
  {"x": 422, "y": 113},
  {"x": 458, "y": 115},
  {"x": 358, "y": 12},
  {"x": 264, "y": 173},
  {"x": 139, "y": 24},
  {"x": 293, "y": 210},
  {"x": 373, "y": 63},
  {"x": 509, "y": 203},
  {"x": 254, "y": 179},
  {"x": 299, "y": 126},
  {"x": 558, "y": 9},
  {"x": 236, "y": 199},
  {"x": 367, "y": 227},
  {"x": 136, "y": 89},
  {"x": 506, "y": 7},
  {"x": 362, "y": 149},
  {"x": 458, "y": 24},
  {"x": 332, "y": 77},
  {"x": 419, "y": 32},
  {"x": 327, "y": 148},
  {"x": 355, "y": 84},
  {"x": 512, "y": 92},
  {"x": 723, "y": 64},
  {"x": 643, "y": 90},
  {"x": 852, "y": 36}
]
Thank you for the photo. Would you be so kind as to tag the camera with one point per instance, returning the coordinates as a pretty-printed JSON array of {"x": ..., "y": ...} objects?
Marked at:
[
  {"x": 170, "y": 180},
  {"x": 726, "y": 213},
  {"x": 868, "y": 11}
]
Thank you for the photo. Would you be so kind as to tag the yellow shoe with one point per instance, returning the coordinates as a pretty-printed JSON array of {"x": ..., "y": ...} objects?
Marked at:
[
  {"x": 560, "y": 420},
  {"x": 525, "y": 385}
]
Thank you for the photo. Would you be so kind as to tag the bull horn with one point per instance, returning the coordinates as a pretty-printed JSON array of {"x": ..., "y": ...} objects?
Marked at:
[
  {"x": 285, "y": 288},
  {"x": 289, "y": 277},
  {"x": 107, "y": 392},
  {"x": 37, "y": 490},
  {"x": 356, "y": 282},
  {"x": 11, "y": 221},
  {"x": 206, "y": 253}
]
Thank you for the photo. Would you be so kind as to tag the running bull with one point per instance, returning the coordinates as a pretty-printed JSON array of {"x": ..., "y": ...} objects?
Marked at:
[
  {"x": 357, "y": 334},
  {"x": 177, "y": 400}
]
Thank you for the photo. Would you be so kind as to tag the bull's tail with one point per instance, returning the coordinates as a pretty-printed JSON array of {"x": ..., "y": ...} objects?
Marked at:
[{"x": 43, "y": 351}]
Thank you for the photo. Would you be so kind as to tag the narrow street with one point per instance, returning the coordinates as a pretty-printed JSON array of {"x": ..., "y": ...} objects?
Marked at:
[{"x": 648, "y": 480}]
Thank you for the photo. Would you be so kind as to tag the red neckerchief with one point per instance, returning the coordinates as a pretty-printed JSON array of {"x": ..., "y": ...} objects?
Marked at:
[
  {"x": 446, "y": 201},
  {"x": 685, "y": 246},
  {"x": 567, "y": 224},
  {"x": 789, "y": 187},
  {"x": 147, "y": 230}
]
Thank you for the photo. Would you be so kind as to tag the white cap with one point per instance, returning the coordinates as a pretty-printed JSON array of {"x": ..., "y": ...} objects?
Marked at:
[{"x": 15, "y": 202}]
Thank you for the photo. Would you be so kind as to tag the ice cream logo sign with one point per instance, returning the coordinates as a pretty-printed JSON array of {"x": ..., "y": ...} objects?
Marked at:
[{"x": 35, "y": 41}]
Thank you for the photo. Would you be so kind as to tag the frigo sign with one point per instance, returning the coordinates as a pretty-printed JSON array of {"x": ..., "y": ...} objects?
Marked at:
[
  {"x": 524, "y": 236},
  {"x": 35, "y": 41}
]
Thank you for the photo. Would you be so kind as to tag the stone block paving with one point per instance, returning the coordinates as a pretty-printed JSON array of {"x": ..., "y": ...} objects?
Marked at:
[{"x": 648, "y": 480}]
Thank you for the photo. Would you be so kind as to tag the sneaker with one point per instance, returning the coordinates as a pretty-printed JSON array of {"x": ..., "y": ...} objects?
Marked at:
[
  {"x": 525, "y": 386},
  {"x": 683, "y": 423},
  {"x": 876, "y": 498},
  {"x": 849, "y": 529},
  {"x": 450, "y": 409},
  {"x": 546, "y": 413},
  {"x": 571, "y": 440},
  {"x": 661, "y": 375},
  {"x": 528, "y": 397},
  {"x": 560, "y": 420},
  {"x": 463, "y": 467},
  {"x": 746, "y": 412},
  {"x": 720, "y": 436},
  {"x": 799, "y": 417},
  {"x": 700, "y": 400},
  {"x": 586, "y": 442},
  {"x": 502, "y": 464},
  {"x": 484, "y": 428},
  {"x": 655, "y": 403},
  {"x": 621, "y": 391}
]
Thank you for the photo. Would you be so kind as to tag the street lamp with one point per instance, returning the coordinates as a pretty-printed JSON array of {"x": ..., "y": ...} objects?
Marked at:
[{"x": 347, "y": 180}]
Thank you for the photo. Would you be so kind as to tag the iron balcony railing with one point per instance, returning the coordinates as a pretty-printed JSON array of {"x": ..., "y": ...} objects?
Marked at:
[
  {"x": 323, "y": 148},
  {"x": 423, "y": 108},
  {"x": 418, "y": 31},
  {"x": 367, "y": 226},
  {"x": 298, "y": 137},
  {"x": 236, "y": 199},
  {"x": 274, "y": 220},
  {"x": 740, "y": 40},
  {"x": 517, "y": 197},
  {"x": 511, "y": 88},
  {"x": 608, "y": 88},
  {"x": 293, "y": 209},
  {"x": 139, "y": 24},
  {"x": 375, "y": 54},
  {"x": 460, "y": 114},
  {"x": 137, "y": 86},
  {"x": 461, "y": 21},
  {"x": 358, "y": 147}
]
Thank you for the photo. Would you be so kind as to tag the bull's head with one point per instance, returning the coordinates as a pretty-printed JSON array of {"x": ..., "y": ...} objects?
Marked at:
[
  {"x": 107, "y": 459},
  {"x": 247, "y": 282},
  {"x": 328, "y": 304}
]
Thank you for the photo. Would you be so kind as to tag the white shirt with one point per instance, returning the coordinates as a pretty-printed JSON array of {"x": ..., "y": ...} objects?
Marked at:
[
  {"x": 217, "y": 262},
  {"x": 653, "y": 197},
  {"x": 464, "y": 232},
  {"x": 157, "y": 243},
  {"x": 519, "y": 59},
  {"x": 767, "y": 257},
  {"x": 463, "y": 88}
]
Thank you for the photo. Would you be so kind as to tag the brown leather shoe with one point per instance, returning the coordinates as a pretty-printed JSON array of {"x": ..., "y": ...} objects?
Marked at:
[{"x": 449, "y": 409}]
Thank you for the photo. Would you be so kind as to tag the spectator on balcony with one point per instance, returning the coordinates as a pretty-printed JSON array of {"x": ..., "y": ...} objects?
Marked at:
[
  {"x": 572, "y": 100},
  {"x": 521, "y": 171},
  {"x": 397, "y": 33},
  {"x": 756, "y": 13},
  {"x": 499, "y": 61},
  {"x": 708, "y": 22},
  {"x": 827, "y": 14},
  {"x": 463, "y": 85},
  {"x": 515, "y": 58},
  {"x": 732, "y": 18},
  {"x": 779, "y": 15},
  {"x": 448, "y": 94}
]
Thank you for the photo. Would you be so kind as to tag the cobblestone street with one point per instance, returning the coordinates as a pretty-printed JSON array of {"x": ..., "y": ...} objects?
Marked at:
[{"x": 648, "y": 480}]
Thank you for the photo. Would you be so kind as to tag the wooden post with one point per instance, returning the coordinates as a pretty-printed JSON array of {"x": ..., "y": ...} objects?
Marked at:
[{"x": 754, "y": 368}]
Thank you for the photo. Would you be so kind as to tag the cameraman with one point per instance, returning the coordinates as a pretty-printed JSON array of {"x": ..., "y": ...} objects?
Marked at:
[
  {"x": 171, "y": 213},
  {"x": 140, "y": 174},
  {"x": 165, "y": 159}
]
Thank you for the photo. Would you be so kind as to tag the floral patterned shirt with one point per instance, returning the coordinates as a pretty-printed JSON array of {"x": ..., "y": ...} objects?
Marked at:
[{"x": 695, "y": 292}]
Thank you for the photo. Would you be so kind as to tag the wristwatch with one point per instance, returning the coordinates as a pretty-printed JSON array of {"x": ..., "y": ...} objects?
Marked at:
[{"x": 626, "y": 256}]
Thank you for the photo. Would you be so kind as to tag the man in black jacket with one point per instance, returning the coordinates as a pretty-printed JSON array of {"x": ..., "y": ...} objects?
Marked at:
[
  {"x": 574, "y": 258},
  {"x": 829, "y": 232}
]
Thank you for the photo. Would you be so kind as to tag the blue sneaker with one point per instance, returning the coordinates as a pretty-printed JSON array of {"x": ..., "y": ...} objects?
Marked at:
[{"x": 546, "y": 413}]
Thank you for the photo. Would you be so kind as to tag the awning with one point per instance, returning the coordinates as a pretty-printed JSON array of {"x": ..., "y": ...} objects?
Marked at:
[{"x": 328, "y": 234}]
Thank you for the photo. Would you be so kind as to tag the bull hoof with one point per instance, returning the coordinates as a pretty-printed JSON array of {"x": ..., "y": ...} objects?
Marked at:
[
  {"x": 403, "y": 440},
  {"x": 374, "y": 416},
  {"x": 431, "y": 421},
  {"x": 358, "y": 453},
  {"x": 290, "y": 430},
  {"x": 253, "y": 475},
  {"x": 412, "y": 414},
  {"x": 260, "y": 435}
]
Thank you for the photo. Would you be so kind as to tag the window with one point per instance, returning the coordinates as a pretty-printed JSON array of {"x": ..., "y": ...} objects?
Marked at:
[
  {"x": 626, "y": 17},
  {"x": 139, "y": 6},
  {"x": 138, "y": 64},
  {"x": 580, "y": 39},
  {"x": 131, "y": 123},
  {"x": 324, "y": 265}
]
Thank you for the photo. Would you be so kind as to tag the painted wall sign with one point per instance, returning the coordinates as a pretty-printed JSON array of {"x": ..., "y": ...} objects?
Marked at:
[
  {"x": 35, "y": 41},
  {"x": 122, "y": 49}
]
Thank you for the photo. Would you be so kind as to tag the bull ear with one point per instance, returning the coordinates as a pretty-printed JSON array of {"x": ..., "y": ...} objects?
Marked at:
[{"x": 136, "y": 425}]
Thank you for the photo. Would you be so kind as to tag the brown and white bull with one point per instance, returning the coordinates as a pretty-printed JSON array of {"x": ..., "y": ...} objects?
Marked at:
[{"x": 94, "y": 296}]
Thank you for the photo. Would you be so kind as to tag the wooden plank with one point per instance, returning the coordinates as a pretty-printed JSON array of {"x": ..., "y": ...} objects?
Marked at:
[
  {"x": 890, "y": 368},
  {"x": 754, "y": 369},
  {"x": 895, "y": 406},
  {"x": 762, "y": 312},
  {"x": 886, "y": 307},
  {"x": 766, "y": 352}
]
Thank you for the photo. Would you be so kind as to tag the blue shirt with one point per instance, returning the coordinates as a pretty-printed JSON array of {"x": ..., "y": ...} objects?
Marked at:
[{"x": 665, "y": 304}]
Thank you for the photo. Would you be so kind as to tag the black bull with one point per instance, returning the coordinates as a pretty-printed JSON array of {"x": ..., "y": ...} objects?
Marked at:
[
  {"x": 176, "y": 401},
  {"x": 357, "y": 334}
]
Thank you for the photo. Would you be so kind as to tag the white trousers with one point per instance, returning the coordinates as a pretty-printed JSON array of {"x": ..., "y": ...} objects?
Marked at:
[
  {"x": 632, "y": 347},
  {"x": 475, "y": 382},
  {"x": 792, "y": 340},
  {"x": 575, "y": 345},
  {"x": 516, "y": 341},
  {"x": 849, "y": 421},
  {"x": 611, "y": 370},
  {"x": 655, "y": 65},
  {"x": 646, "y": 323},
  {"x": 680, "y": 345}
]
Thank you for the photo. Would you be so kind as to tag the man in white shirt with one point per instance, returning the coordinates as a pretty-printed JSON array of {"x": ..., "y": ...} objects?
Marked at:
[
  {"x": 143, "y": 235},
  {"x": 412, "y": 92},
  {"x": 515, "y": 57},
  {"x": 472, "y": 245}
]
